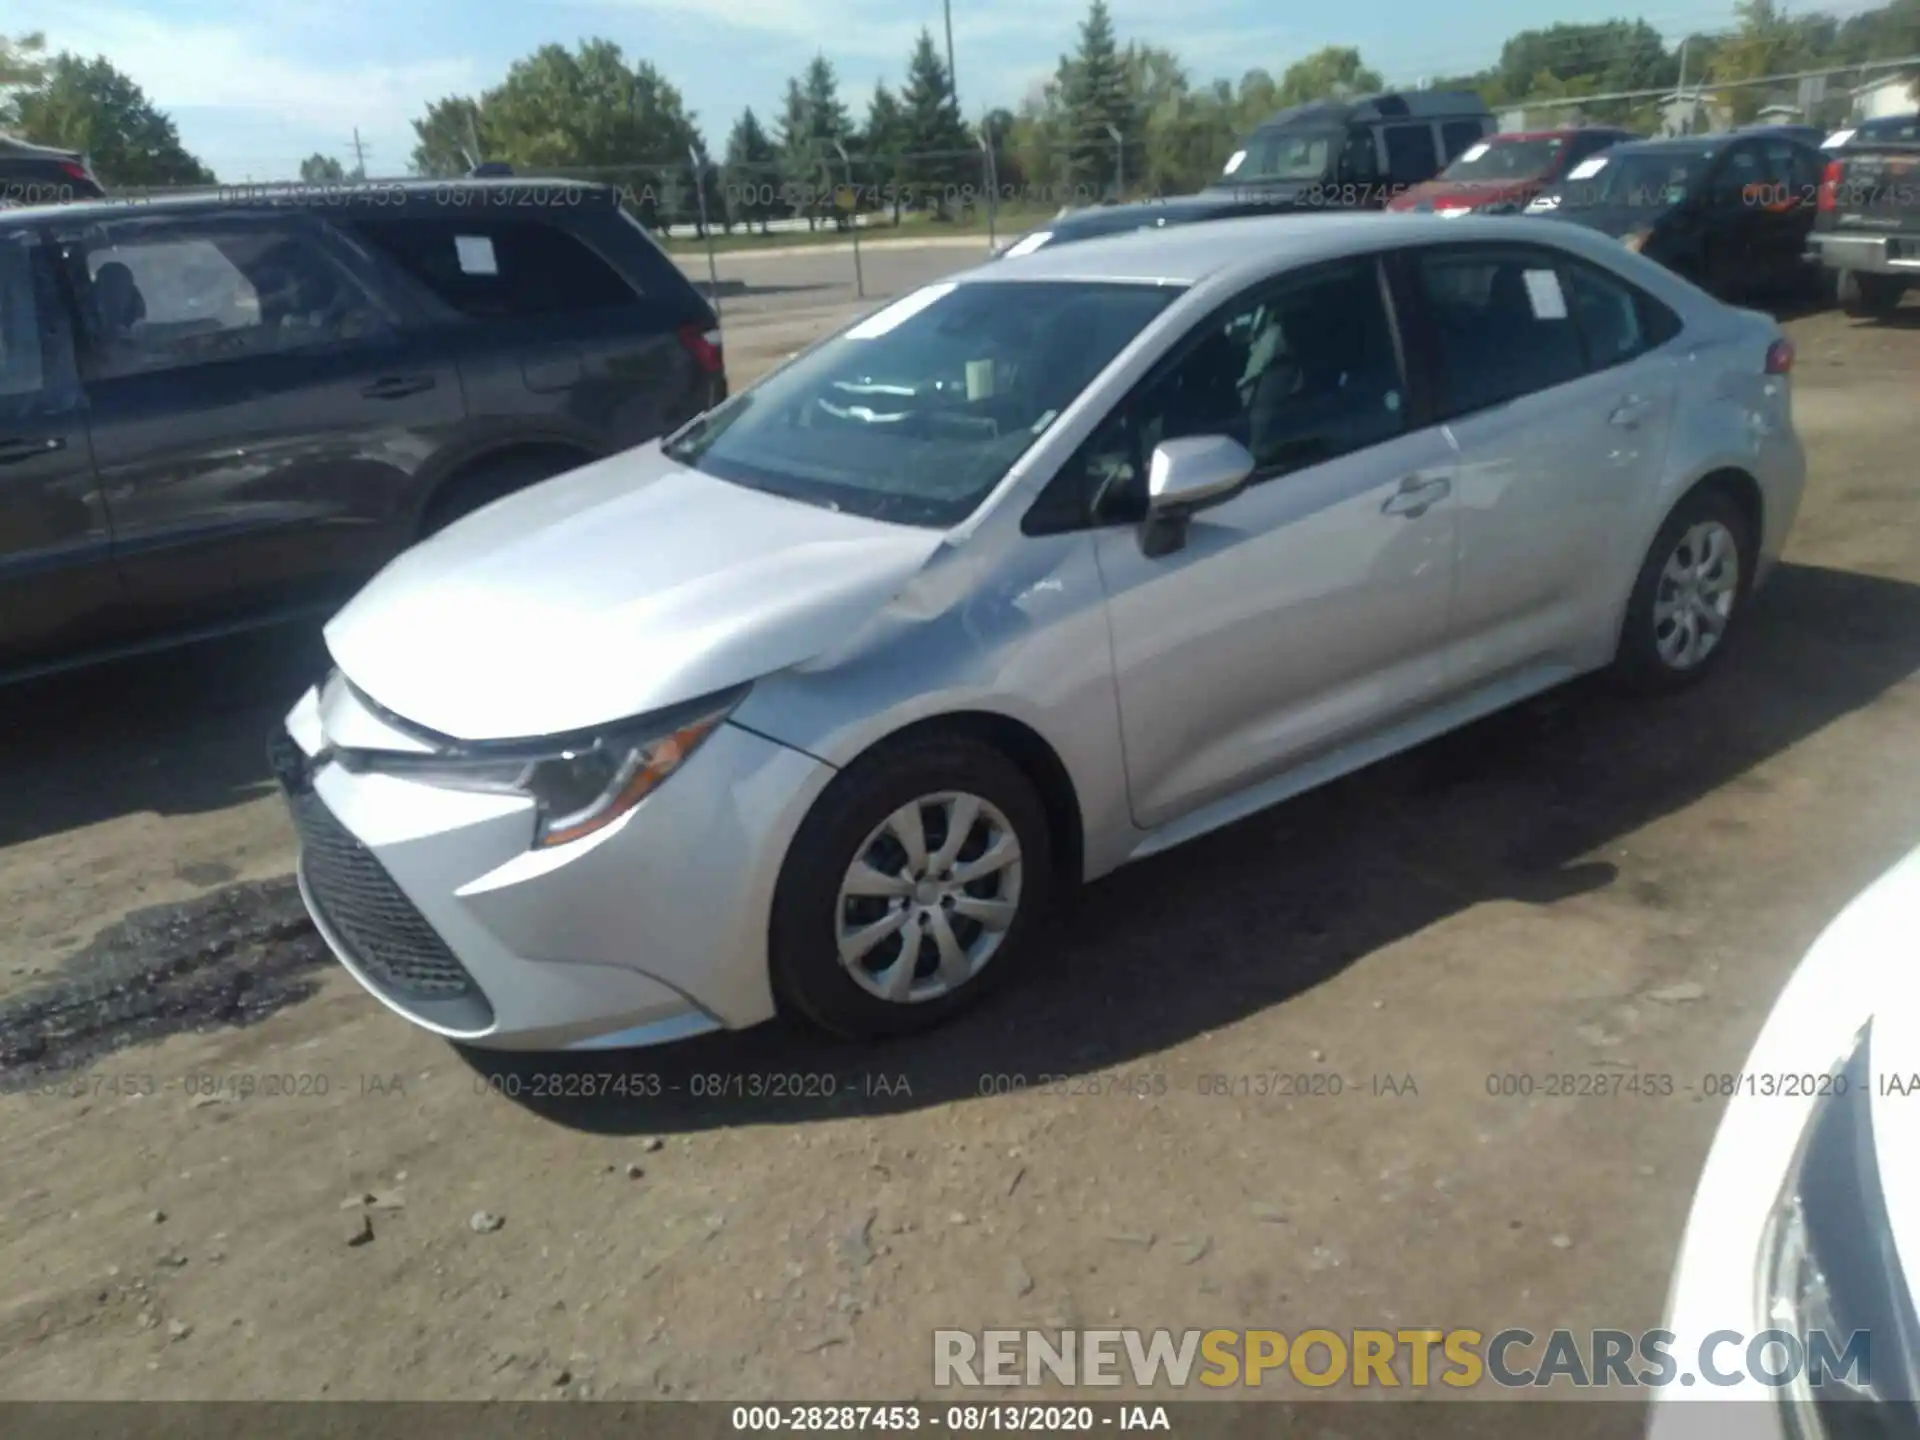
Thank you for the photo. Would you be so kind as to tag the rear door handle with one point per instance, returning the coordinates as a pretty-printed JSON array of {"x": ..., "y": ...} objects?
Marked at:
[
  {"x": 394, "y": 387},
  {"x": 1416, "y": 495},
  {"x": 12, "y": 452},
  {"x": 1630, "y": 412}
]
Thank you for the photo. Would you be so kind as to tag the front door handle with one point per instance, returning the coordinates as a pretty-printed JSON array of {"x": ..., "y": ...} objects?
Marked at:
[
  {"x": 1416, "y": 495},
  {"x": 1628, "y": 414},
  {"x": 12, "y": 452},
  {"x": 394, "y": 387}
]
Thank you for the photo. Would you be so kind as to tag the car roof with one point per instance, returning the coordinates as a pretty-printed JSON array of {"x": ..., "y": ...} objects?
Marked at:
[
  {"x": 1674, "y": 145},
  {"x": 1567, "y": 132},
  {"x": 343, "y": 195},
  {"x": 1191, "y": 254}
]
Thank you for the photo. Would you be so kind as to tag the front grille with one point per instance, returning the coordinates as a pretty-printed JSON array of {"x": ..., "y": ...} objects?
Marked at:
[{"x": 387, "y": 937}]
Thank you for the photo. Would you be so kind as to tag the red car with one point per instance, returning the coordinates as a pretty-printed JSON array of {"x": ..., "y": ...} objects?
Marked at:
[{"x": 1503, "y": 172}]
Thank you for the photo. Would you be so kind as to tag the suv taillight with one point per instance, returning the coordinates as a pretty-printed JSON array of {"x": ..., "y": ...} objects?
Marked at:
[
  {"x": 704, "y": 345},
  {"x": 1780, "y": 357},
  {"x": 1830, "y": 184}
]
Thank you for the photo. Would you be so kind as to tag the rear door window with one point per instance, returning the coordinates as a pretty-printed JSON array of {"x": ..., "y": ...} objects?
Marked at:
[
  {"x": 489, "y": 267},
  {"x": 1410, "y": 154},
  {"x": 22, "y": 352},
  {"x": 168, "y": 297},
  {"x": 1500, "y": 323},
  {"x": 1459, "y": 136}
]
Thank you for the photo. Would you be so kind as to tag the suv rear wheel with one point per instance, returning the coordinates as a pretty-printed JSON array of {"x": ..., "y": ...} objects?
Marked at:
[
  {"x": 490, "y": 481},
  {"x": 1866, "y": 296}
]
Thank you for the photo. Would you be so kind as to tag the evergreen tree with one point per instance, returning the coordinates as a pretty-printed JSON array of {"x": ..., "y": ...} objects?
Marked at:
[
  {"x": 945, "y": 174},
  {"x": 752, "y": 178},
  {"x": 1093, "y": 90},
  {"x": 884, "y": 141},
  {"x": 812, "y": 119}
]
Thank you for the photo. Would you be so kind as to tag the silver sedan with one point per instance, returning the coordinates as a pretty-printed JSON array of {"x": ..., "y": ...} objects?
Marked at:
[{"x": 814, "y": 705}]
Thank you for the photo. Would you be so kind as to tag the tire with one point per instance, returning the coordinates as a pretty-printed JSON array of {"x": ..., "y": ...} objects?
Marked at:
[
  {"x": 491, "y": 481},
  {"x": 1654, "y": 655},
  {"x": 855, "y": 819},
  {"x": 1870, "y": 297}
]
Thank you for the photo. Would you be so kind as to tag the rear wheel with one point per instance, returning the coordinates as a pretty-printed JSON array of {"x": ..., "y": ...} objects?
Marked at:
[
  {"x": 491, "y": 481},
  {"x": 1868, "y": 296},
  {"x": 911, "y": 889},
  {"x": 1691, "y": 590}
]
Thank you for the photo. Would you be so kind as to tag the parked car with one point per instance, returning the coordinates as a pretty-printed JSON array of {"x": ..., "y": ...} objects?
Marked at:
[
  {"x": 1729, "y": 212},
  {"x": 1867, "y": 229},
  {"x": 1806, "y": 1219},
  {"x": 39, "y": 175},
  {"x": 1033, "y": 572},
  {"x": 224, "y": 411},
  {"x": 1329, "y": 155},
  {"x": 1500, "y": 174}
]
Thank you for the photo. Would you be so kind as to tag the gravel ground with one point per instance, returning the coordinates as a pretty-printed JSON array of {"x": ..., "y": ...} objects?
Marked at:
[{"x": 316, "y": 1200}]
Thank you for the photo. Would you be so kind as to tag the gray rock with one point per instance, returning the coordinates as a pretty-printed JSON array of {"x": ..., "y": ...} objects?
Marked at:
[
  {"x": 484, "y": 1222},
  {"x": 1192, "y": 1250},
  {"x": 1679, "y": 994},
  {"x": 1018, "y": 1278},
  {"x": 856, "y": 1245},
  {"x": 652, "y": 1144},
  {"x": 178, "y": 1329}
]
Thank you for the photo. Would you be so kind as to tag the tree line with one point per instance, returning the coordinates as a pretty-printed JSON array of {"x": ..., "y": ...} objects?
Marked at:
[{"x": 1113, "y": 116}]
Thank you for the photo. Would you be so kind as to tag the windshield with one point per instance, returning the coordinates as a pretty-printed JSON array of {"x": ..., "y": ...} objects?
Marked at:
[
  {"x": 1506, "y": 160},
  {"x": 1652, "y": 179},
  {"x": 1283, "y": 154},
  {"x": 915, "y": 413}
]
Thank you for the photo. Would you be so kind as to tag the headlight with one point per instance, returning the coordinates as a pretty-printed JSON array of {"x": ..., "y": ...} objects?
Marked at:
[
  {"x": 1636, "y": 239},
  {"x": 579, "y": 784},
  {"x": 1828, "y": 1271}
]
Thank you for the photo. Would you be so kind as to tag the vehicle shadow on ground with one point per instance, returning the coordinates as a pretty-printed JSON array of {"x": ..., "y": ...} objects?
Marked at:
[
  {"x": 174, "y": 733},
  {"x": 1517, "y": 807}
]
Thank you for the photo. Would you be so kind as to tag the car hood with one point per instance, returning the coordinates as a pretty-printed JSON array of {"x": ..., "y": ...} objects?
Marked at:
[
  {"x": 625, "y": 586},
  {"x": 1466, "y": 194},
  {"x": 1858, "y": 977}
]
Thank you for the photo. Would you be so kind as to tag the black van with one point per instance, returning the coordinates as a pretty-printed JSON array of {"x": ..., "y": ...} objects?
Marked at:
[
  {"x": 1354, "y": 154},
  {"x": 225, "y": 410}
]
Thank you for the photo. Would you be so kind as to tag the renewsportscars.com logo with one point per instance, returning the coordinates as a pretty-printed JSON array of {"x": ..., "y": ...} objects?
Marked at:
[{"x": 1363, "y": 1359}]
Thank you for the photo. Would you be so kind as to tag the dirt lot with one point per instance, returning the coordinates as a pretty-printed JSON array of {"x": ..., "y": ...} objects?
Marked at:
[{"x": 1584, "y": 883}]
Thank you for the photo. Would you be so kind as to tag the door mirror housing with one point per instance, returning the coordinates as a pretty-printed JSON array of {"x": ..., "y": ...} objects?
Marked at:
[{"x": 1187, "y": 475}]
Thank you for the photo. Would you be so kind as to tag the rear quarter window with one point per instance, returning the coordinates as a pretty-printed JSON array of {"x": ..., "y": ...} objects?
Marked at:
[{"x": 498, "y": 267}]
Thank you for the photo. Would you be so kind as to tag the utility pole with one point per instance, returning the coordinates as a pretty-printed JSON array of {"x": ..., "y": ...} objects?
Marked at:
[
  {"x": 953, "y": 85},
  {"x": 359, "y": 156}
]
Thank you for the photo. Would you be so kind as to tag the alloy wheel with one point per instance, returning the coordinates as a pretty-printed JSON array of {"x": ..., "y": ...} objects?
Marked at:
[
  {"x": 1696, "y": 594},
  {"x": 928, "y": 898}
]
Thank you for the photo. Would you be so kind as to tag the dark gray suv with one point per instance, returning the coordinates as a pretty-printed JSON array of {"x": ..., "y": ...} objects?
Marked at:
[{"x": 231, "y": 409}]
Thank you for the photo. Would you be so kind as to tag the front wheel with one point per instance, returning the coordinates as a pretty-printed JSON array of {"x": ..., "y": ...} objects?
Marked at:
[
  {"x": 1691, "y": 590},
  {"x": 911, "y": 888}
]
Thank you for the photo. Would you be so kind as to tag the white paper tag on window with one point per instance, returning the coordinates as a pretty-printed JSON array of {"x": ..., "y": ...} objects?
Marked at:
[
  {"x": 1474, "y": 152},
  {"x": 1587, "y": 169},
  {"x": 1836, "y": 140},
  {"x": 1543, "y": 290},
  {"x": 476, "y": 254},
  {"x": 902, "y": 310},
  {"x": 1234, "y": 162}
]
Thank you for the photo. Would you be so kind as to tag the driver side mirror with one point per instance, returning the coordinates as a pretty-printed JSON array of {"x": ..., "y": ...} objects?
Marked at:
[{"x": 1187, "y": 475}]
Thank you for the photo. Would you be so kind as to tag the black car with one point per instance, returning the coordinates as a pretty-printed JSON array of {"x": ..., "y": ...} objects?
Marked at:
[
  {"x": 1330, "y": 155},
  {"x": 222, "y": 411},
  {"x": 1730, "y": 212},
  {"x": 38, "y": 175}
]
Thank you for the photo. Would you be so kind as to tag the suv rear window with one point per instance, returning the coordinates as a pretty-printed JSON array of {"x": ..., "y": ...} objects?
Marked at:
[{"x": 492, "y": 267}]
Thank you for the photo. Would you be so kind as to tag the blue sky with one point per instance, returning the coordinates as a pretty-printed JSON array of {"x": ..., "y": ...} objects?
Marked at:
[{"x": 255, "y": 88}]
